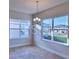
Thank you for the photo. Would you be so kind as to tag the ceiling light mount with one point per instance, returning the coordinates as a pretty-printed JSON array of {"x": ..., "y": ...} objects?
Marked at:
[{"x": 37, "y": 19}]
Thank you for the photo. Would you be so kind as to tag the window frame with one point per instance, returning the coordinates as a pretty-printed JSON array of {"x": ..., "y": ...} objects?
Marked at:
[
  {"x": 66, "y": 44},
  {"x": 14, "y": 22}
]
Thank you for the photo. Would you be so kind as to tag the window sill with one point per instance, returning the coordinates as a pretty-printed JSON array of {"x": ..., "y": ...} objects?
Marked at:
[{"x": 56, "y": 42}]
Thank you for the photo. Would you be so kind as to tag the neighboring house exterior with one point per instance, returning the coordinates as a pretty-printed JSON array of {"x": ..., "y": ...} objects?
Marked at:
[{"x": 61, "y": 29}]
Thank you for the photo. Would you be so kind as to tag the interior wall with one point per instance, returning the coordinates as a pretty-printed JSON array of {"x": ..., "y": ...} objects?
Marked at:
[
  {"x": 21, "y": 16},
  {"x": 59, "y": 49},
  {"x": 58, "y": 10}
]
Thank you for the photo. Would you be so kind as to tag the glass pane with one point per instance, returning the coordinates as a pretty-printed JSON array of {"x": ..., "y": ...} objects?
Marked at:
[
  {"x": 24, "y": 33},
  {"x": 24, "y": 25},
  {"x": 18, "y": 28},
  {"x": 61, "y": 29},
  {"x": 46, "y": 28},
  {"x": 13, "y": 25},
  {"x": 37, "y": 31},
  {"x": 14, "y": 34},
  {"x": 38, "y": 27},
  {"x": 15, "y": 21}
]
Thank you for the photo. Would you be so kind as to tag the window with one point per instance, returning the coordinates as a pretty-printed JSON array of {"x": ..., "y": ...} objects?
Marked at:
[
  {"x": 37, "y": 31},
  {"x": 46, "y": 28},
  {"x": 56, "y": 29},
  {"x": 61, "y": 29},
  {"x": 19, "y": 29}
]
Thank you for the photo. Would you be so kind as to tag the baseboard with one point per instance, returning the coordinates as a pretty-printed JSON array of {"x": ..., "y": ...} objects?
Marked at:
[{"x": 18, "y": 45}]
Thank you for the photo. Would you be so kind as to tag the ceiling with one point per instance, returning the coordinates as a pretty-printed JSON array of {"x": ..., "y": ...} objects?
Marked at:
[{"x": 29, "y": 6}]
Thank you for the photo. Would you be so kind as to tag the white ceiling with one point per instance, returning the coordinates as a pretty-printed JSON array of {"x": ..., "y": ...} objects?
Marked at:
[{"x": 29, "y": 6}]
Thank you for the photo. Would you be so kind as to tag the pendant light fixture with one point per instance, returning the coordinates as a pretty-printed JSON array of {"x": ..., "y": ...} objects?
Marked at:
[{"x": 37, "y": 19}]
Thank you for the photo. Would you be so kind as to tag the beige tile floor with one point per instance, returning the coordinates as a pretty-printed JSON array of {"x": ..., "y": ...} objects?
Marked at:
[{"x": 31, "y": 52}]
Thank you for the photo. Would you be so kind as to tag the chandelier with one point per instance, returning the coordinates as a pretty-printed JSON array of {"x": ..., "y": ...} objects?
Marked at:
[{"x": 37, "y": 19}]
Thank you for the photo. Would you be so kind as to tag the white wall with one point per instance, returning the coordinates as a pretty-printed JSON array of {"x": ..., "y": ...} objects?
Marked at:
[
  {"x": 19, "y": 15},
  {"x": 54, "y": 47},
  {"x": 20, "y": 42},
  {"x": 58, "y": 10}
]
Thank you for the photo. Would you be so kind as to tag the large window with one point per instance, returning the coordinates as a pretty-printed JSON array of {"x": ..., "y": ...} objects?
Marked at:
[
  {"x": 19, "y": 29},
  {"x": 61, "y": 29},
  {"x": 46, "y": 28},
  {"x": 56, "y": 29}
]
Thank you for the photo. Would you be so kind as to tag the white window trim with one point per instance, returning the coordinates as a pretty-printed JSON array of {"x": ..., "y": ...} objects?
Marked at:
[{"x": 65, "y": 44}]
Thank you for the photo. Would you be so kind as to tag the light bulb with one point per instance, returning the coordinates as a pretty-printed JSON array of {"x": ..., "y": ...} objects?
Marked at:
[
  {"x": 34, "y": 19},
  {"x": 39, "y": 19}
]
